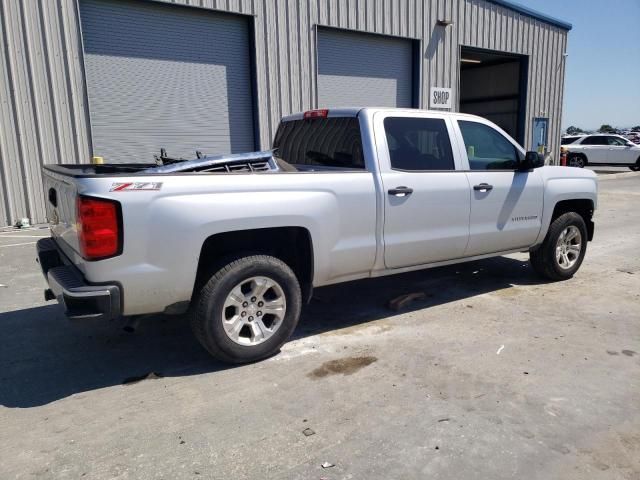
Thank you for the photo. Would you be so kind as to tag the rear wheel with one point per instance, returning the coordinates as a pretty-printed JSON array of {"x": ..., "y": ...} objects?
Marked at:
[
  {"x": 563, "y": 249},
  {"x": 248, "y": 309},
  {"x": 577, "y": 160}
]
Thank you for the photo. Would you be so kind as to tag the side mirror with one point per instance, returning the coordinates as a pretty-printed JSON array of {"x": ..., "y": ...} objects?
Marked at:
[{"x": 531, "y": 160}]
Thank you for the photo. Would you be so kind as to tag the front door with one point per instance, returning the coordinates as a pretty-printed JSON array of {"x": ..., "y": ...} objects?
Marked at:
[
  {"x": 426, "y": 201},
  {"x": 620, "y": 152},
  {"x": 506, "y": 204},
  {"x": 540, "y": 134}
]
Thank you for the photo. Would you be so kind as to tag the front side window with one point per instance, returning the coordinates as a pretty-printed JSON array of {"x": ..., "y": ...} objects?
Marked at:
[
  {"x": 418, "y": 144},
  {"x": 487, "y": 149},
  {"x": 331, "y": 143},
  {"x": 616, "y": 142},
  {"x": 595, "y": 140}
]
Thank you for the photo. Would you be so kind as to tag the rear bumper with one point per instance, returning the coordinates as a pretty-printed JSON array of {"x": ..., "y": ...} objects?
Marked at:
[{"x": 80, "y": 299}]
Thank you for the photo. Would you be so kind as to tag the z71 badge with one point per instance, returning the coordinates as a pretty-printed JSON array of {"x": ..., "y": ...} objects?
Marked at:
[{"x": 135, "y": 186}]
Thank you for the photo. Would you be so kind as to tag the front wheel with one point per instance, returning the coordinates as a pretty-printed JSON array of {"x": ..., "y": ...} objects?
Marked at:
[
  {"x": 636, "y": 167},
  {"x": 563, "y": 249},
  {"x": 248, "y": 309}
]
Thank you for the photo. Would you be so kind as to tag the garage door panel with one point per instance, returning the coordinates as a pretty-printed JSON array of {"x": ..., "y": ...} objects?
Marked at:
[
  {"x": 166, "y": 76},
  {"x": 356, "y": 69},
  {"x": 358, "y": 91}
]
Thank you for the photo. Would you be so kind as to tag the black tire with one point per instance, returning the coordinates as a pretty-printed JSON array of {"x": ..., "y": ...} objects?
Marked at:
[
  {"x": 636, "y": 167},
  {"x": 207, "y": 312},
  {"x": 577, "y": 160},
  {"x": 544, "y": 261}
]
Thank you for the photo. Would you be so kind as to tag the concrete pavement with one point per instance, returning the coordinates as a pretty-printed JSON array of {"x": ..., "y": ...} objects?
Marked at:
[{"x": 494, "y": 374}]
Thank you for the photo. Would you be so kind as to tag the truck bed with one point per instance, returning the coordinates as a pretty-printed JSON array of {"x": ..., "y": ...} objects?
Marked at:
[
  {"x": 91, "y": 170},
  {"x": 248, "y": 162},
  {"x": 142, "y": 170}
]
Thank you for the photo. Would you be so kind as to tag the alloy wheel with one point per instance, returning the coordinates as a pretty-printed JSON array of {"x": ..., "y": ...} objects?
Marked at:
[
  {"x": 254, "y": 310},
  {"x": 568, "y": 247}
]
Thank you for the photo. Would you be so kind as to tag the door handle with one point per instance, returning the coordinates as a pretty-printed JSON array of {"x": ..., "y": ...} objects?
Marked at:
[
  {"x": 400, "y": 191},
  {"x": 483, "y": 187}
]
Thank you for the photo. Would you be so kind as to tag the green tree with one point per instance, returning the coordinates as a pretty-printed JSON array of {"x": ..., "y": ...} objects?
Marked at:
[
  {"x": 574, "y": 130},
  {"x": 606, "y": 129},
  {"x": 636, "y": 128}
]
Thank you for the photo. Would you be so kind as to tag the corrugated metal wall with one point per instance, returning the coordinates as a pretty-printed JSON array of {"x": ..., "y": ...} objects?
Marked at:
[
  {"x": 43, "y": 105},
  {"x": 43, "y": 108}
]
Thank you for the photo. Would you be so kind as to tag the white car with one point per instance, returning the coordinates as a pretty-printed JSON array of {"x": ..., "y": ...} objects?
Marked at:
[{"x": 602, "y": 149}]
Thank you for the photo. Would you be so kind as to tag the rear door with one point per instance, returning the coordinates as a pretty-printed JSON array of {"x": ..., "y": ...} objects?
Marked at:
[
  {"x": 426, "y": 196},
  {"x": 596, "y": 148},
  {"x": 506, "y": 204}
]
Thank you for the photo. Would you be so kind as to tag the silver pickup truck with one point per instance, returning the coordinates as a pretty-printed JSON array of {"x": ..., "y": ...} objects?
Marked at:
[{"x": 239, "y": 242}]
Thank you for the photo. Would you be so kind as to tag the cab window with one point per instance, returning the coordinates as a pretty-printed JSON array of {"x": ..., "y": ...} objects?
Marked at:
[
  {"x": 418, "y": 144},
  {"x": 323, "y": 143},
  {"x": 488, "y": 149}
]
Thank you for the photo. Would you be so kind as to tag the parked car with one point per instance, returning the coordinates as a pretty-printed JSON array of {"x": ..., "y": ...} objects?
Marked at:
[
  {"x": 239, "y": 242},
  {"x": 603, "y": 149},
  {"x": 633, "y": 137}
]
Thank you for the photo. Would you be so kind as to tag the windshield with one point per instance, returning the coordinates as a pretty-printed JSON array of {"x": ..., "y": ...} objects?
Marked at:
[{"x": 327, "y": 142}]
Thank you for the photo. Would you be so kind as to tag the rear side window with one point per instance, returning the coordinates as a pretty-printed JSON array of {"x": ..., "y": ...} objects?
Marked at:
[
  {"x": 418, "y": 144},
  {"x": 595, "y": 140},
  {"x": 487, "y": 149},
  {"x": 569, "y": 140},
  {"x": 324, "y": 142}
]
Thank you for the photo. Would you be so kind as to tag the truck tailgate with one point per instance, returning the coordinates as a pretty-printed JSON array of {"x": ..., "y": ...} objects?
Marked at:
[{"x": 60, "y": 197}]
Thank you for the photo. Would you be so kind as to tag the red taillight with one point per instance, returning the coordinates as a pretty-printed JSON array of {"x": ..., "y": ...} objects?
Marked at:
[
  {"x": 98, "y": 228},
  {"x": 323, "y": 113}
]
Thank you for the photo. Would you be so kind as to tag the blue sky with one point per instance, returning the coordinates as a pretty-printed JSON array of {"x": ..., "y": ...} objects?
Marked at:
[{"x": 602, "y": 83}]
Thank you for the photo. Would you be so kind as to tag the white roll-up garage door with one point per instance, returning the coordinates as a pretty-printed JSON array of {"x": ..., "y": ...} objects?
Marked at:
[
  {"x": 359, "y": 69},
  {"x": 166, "y": 76}
]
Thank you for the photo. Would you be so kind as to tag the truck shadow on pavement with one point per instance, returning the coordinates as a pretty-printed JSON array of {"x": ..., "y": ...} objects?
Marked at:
[{"x": 45, "y": 358}]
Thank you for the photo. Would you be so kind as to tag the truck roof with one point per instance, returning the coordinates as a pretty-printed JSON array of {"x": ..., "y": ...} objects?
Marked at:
[{"x": 354, "y": 111}]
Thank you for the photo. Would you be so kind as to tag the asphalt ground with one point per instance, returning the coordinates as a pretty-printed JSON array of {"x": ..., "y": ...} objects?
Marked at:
[{"x": 493, "y": 374}]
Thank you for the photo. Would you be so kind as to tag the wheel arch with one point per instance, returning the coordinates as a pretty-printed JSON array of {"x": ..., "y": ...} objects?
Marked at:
[
  {"x": 582, "y": 206},
  {"x": 293, "y": 245}
]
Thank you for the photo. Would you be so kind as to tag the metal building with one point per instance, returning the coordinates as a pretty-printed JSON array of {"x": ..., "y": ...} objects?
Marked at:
[{"x": 122, "y": 78}]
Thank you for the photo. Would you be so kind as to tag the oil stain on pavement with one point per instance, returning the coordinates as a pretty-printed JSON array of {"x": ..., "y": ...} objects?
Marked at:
[{"x": 344, "y": 366}]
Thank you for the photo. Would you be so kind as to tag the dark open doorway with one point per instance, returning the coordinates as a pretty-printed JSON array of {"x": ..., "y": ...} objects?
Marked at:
[{"x": 493, "y": 85}]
